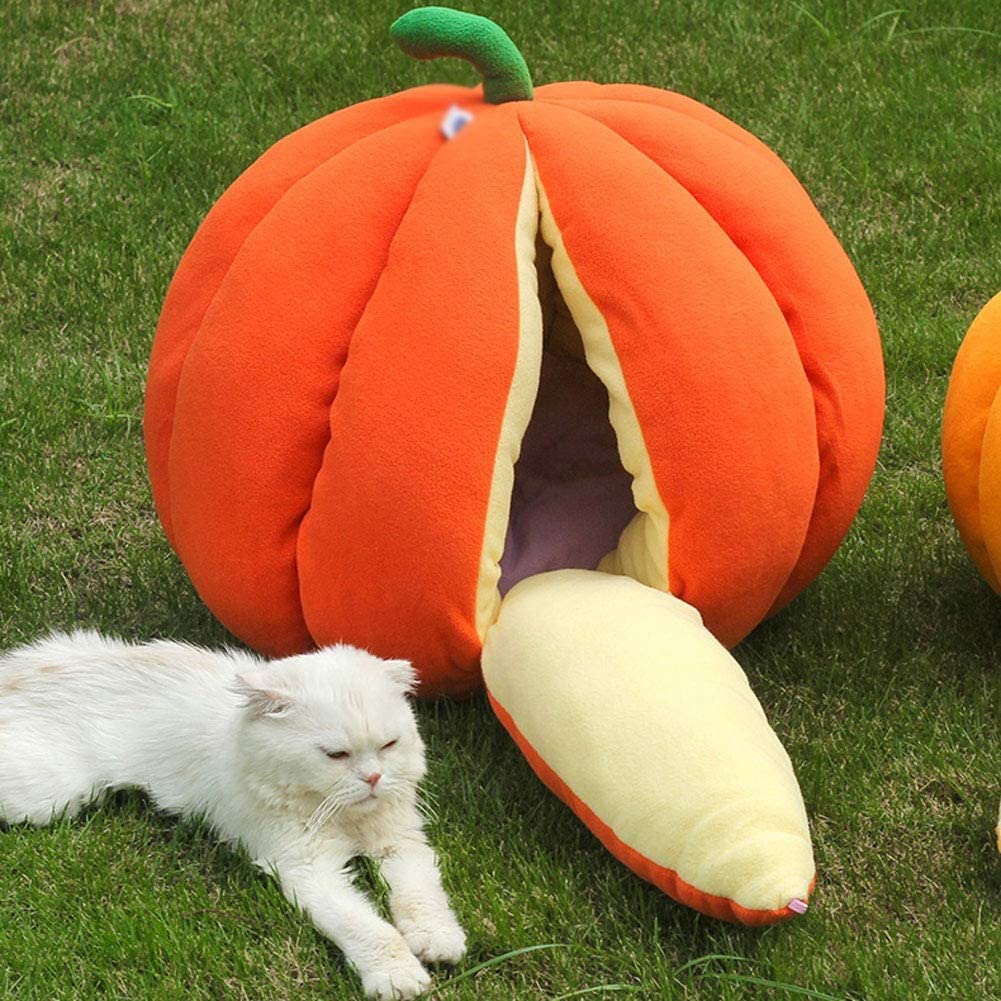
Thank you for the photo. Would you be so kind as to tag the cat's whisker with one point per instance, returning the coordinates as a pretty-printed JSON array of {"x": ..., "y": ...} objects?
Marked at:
[
  {"x": 335, "y": 808},
  {"x": 322, "y": 813},
  {"x": 319, "y": 808},
  {"x": 426, "y": 811},
  {"x": 427, "y": 802},
  {"x": 336, "y": 802},
  {"x": 428, "y": 793}
]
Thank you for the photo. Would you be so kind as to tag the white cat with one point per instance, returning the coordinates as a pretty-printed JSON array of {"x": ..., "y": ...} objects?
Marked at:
[{"x": 308, "y": 761}]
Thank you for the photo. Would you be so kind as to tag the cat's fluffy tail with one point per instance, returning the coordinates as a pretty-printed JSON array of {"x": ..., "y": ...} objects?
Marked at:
[{"x": 46, "y": 767}]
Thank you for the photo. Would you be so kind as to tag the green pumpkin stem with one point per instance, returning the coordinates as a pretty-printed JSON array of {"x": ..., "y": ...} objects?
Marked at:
[{"x": 432, "y": 32}]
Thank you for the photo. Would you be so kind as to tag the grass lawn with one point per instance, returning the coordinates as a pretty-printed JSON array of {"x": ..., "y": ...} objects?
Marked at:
[{"x": 121, "y": 123}]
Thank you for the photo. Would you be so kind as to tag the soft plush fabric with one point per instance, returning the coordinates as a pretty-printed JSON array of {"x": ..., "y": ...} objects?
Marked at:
[
  {"x": 607, "y": 686},
  {"x": 338, "y": 348},
  {"x": 403, "y": 367},
  {"x": 971, "y": 441},
  {"x": 432, "y": 32}
]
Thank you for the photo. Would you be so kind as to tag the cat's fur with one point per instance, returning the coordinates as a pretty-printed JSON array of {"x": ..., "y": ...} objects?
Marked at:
[{"x": 244, "y": 743}]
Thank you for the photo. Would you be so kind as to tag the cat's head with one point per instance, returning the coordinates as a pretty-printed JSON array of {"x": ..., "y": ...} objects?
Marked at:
[{"x": 337, "y": 724}]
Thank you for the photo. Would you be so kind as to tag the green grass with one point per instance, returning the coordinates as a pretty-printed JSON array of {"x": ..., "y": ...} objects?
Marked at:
[{"x": 119, "y": 126}]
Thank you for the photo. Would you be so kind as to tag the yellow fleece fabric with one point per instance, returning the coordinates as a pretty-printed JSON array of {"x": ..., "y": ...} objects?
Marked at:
[{"x": 649, "y": 721}]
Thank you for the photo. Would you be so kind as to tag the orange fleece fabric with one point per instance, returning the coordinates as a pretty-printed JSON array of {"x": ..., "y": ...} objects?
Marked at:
[
  {"x": 335, "y": 352},
  {"x": 971, "y": 441}
]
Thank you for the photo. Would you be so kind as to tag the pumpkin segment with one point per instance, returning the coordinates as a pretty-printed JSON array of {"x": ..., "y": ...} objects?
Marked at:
[
  {"x": 213, "y": 250},
  {"x": 396, "y": 374},
  {"x": 804, "y": 269},
  {"x": 452, "y": 357},
  {"x": 253, "y": 400},
  {"x": 657, "y": 363}
]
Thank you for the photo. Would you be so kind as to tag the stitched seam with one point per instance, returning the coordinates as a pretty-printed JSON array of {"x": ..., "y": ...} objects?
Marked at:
[
  {"x": 168, "y": 507},
  {"x": 620, "y": 404},
  {"x": 347, "y": 358},
  {"x": 667, "y": 880},
  {"x": 806, "y": 375},
  {"x": 518, "y": 375},
  {"x": 758, "y": 146}
]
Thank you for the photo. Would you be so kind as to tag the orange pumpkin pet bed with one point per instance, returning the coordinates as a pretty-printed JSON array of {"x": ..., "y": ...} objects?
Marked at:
[
  {"x": 533, "y": 383},
  {"x": 971, "y": 441}
]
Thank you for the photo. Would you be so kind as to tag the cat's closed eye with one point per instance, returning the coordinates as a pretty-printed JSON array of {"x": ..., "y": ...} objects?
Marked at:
[
  {"x": 387, "y": 746},
  {"x": 336, "y": 755}
]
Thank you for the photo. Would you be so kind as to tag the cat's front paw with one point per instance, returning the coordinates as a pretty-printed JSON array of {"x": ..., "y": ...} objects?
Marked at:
[
  {"x": 441, "y": 941},
  {"x": 397, "y": 980}
]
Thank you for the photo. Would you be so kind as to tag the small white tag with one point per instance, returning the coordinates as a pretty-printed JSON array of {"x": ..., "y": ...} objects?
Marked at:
[{"x": 454, "y": 121}]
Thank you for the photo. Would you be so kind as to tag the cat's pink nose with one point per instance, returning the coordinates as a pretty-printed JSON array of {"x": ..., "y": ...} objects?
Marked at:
[{"x": 373, "y": 778}]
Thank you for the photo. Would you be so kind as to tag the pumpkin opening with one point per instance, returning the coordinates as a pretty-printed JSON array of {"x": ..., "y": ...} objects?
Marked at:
[{"x": 572, "y": 498}]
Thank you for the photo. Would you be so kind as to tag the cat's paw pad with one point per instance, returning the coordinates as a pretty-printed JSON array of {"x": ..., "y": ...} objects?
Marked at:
[
  {"x": 396, "y": 981},
  {"x": 443, "y": 942}
]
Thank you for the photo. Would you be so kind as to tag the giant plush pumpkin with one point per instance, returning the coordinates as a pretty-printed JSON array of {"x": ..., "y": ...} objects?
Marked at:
[
  {"x": 971, "y": 442},
  {"x": 593, "y": 339}
]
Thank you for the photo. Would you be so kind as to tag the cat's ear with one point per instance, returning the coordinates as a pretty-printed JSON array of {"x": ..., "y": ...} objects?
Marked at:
[
  {"x": 262, "y": 697},
  {"x": 403, "y": 675}
]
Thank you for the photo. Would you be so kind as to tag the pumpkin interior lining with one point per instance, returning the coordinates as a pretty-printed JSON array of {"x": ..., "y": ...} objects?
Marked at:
[
  {"x": 571, "y": 496},
  {"x": 520, "y": 403},
  {"x": 574, "y": 502}
]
